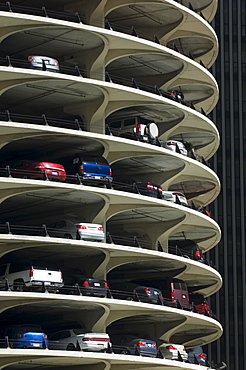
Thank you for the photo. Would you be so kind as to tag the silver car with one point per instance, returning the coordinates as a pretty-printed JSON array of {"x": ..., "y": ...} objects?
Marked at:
[
  {"x": 175, "y": 146},
  {"x": 77, "y": 339},
  {"x": 44, "y": 63},
  {"x": 70, "y": 230}
]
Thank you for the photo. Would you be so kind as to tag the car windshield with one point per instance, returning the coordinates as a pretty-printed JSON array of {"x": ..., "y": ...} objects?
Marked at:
[
  {"x": 31, "y": 328},
  {"x": 78, "y": 331},
  {"x": 198, "y": 299}
]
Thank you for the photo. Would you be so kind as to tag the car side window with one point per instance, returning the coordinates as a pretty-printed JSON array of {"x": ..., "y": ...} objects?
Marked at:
[
  {"x": 60, "y": 224},
  {"x": 176, "y": 285},
  {"x": 65, "y": 334},
  {"x": 19, "y": 164},
  {"x": 55, "y": 336},
  {"x": 9, "y": 331},
  {"x": 18, "y": 266},
  {"x": 2, "y": 269},
  {"x": 123, "y": 340},
  {"x": 183, "y": 286}
]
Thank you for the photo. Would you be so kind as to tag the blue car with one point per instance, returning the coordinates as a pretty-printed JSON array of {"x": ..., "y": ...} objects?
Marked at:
[
  {"x": 197, "y": 356},
  {"x": 25, "y": 336}
]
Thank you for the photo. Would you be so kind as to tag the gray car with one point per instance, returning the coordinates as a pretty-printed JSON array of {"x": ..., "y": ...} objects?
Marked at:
[
  {"x": 70, "y": 230},
  {"x": 133, "y": 345}
]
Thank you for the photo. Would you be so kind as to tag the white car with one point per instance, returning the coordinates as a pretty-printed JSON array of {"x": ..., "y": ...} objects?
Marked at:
[
  {"x": 44, "y": 63},
  {"x": 77, "y": 339},
  {"x": 175, "y": 197},
  {"x": 70, "y": 230},
  {"x": 173, "y": 351},
  {"x": 175, "y": 146}
]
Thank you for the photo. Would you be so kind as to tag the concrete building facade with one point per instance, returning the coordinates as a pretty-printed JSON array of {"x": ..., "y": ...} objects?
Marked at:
[{"x": 131, "y": 88}]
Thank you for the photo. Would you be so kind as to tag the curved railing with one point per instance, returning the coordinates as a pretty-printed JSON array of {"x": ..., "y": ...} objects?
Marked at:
[
  {"x": 77, "y": 18},
  {"x": 112, "y": 294},
  {"x": 132, "y": 241},
  {"x": 76, "y": 71}
]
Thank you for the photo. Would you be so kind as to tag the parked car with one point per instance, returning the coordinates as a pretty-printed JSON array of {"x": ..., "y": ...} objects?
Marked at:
[
  {"x": 70, "y": 230},
  {"x": 89, "y": 287},
  {"x": 173, "y": 351},
  {"x": 26, "y": 336},
  {"x": 126, "y": 124},
  {"x": 131, "y": 291},
  {"x": 201, "y": 304},
  {"x": 188, "y": 248},
  {"x": 91, "y": 170},
  {"x": 133, "y": 345},
  {"x": 174, "y": 290},
  {"x": 44, "y": 63},
  {"x": 204, "y": 211},
  {"x": 176, "y": 95},
  {"x": 38, "y": 170},
  {"x": 22, "y": 275},
  {"x": 175, "y": 197},
  {"x": 78, "y": 339},
  {"x": 197, "y": 356},
  {"x": 175, "y": 146},
  {"x": 144, "y": 188},
  {"x": 147, "y": 133}
]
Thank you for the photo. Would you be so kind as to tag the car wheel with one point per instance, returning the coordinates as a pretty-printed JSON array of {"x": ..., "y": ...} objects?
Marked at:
[
  {"x": 71, "y": 347},
  {"x": 129, "y": 298},
  {"x": 125, "y": 352},
  {"x": 68, "y": 236},
  {"x": 25, "y": 177},
  {"x": 19, "y": 286}
]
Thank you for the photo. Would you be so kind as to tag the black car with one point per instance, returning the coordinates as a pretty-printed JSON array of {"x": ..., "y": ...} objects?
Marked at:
[
  {"x": 134, "y": 292},
  {"x": 89, "y": 287},
  {"x": 133, "y": 345},
  {"x": 134, "y": 186},
  {"x": 188, "y": 248}
]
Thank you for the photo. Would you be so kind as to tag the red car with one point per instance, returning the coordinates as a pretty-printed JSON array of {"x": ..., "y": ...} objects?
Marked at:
[
  {"x": 201, "y": 304},
  {"x": 38, "y": 170}
]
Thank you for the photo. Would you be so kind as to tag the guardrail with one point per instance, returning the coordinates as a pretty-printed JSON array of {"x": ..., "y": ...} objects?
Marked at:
[
  {"x": 133, "y": 295},
  {"x": 77, "y": 18},
  {"x": 134, "y": 241},
  {"x": 77, "y": 71},
  {"x": 126, "y": 349}
]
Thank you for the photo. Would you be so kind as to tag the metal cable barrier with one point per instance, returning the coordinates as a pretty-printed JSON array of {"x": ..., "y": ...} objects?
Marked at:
[{"x": 77, "y": 71}]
